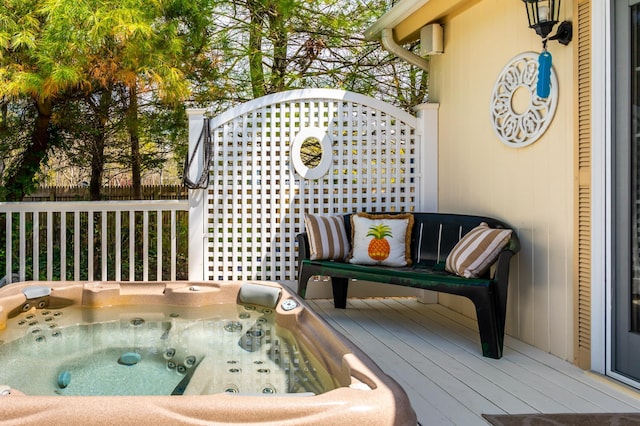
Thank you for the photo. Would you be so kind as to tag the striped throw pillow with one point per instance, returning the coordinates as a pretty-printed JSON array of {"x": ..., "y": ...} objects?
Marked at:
[
  {"x": 477, "y": 250},
  {"x": 327, "y": 237}
]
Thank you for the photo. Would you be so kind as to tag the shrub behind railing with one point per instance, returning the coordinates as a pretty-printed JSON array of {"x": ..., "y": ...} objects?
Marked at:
[{"x": 81, "y": 193}]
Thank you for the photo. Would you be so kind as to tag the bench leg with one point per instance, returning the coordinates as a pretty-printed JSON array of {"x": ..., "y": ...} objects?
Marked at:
[
  {"x": 491, "y": 333},
  {"x": 303, "y": 279},
  {"x": 340, "y": 289}
]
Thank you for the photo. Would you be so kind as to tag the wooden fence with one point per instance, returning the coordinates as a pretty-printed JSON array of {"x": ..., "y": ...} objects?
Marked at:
[{"x": 81, "y": 193}]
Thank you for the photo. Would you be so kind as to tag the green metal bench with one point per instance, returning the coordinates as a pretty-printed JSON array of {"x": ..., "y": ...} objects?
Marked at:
[{"x": 433, "y": 236}]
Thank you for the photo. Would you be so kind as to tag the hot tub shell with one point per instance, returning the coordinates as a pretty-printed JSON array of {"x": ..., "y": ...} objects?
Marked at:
[{"x": 366, "y": 395}]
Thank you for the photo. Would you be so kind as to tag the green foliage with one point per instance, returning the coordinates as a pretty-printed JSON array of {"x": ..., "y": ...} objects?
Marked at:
[
  {"x": 169, "y": 53},
  {"x": 67, "y": 51},
  {"x": 266, "y": 46}
]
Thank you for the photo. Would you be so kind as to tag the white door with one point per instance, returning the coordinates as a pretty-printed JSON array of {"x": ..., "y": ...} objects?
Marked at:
[{"x": 625, "y": 291}]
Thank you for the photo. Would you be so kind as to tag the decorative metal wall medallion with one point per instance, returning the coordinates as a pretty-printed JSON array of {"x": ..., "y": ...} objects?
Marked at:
[{"x": 518, "y": 115}]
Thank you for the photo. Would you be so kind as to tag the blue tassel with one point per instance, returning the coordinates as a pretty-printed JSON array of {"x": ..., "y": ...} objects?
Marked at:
[{"x": 544, "y": 75}]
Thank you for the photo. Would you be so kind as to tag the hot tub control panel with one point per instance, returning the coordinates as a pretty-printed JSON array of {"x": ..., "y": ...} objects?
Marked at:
[{"x": 288, "y": 305}]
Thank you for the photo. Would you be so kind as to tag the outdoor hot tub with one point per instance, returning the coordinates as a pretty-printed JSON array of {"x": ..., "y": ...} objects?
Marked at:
[{"x": 182, "y": 353}]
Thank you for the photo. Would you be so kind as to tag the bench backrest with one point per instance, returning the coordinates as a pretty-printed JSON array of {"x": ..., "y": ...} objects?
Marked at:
[{"x": 435, "y": 234}]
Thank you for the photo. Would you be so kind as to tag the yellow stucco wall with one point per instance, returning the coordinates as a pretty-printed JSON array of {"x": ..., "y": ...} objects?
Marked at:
[{"x": 531, "y": 187}]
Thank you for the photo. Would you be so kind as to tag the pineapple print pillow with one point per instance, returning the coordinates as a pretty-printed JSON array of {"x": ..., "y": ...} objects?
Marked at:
[{"x": 381, "y": 239}]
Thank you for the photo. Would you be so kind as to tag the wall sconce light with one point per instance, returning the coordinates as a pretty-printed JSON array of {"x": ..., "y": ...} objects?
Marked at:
[{"x": 543, "y": 15}]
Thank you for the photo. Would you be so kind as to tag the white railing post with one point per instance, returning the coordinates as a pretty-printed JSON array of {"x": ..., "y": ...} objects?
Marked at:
[
  {"x": 8, "y": 247},
  {"x": 427, "y": 130},
  {"x": 22, "y": 244},
  {"x": 197, "y": 197}
]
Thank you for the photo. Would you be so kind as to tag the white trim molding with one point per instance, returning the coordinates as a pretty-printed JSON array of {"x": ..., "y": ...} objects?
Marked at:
[
  {"x": 601, "y": 181},
  {"x": 326, "y": 158}
]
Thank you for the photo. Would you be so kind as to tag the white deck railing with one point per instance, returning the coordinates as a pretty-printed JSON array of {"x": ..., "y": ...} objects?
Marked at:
[{"x": 94, "y": 240}]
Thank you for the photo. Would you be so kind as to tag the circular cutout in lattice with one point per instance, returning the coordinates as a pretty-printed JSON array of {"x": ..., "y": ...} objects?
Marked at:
[
  {"x": 311, "y": 153},
  {"x": 518, "y": 115}
]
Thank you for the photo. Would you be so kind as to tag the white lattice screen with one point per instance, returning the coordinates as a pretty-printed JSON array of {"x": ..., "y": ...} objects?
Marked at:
[{"x": 256, "y": 201}]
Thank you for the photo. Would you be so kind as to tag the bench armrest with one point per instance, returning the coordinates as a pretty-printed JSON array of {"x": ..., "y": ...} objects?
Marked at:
[
  {"x": 304, "y": 252},
  {"x": 501, "y": 276}
]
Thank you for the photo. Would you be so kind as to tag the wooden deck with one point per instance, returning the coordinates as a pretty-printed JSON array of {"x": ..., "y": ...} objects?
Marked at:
[{"x": 434, "y": 353}]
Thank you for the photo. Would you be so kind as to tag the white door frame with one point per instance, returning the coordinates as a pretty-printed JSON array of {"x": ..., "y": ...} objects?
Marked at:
[
  {"x": 600, "y": 181},
  {"x": 602, "y": 141}
]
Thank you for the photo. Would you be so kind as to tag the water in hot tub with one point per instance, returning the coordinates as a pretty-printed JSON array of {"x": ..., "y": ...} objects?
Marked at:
[{"x": 155, "y": 351}]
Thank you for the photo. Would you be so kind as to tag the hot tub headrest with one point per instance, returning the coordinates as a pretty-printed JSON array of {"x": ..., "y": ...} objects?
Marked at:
[
  {"x": 36, "y": 291},
  {"x": 255, "y": 294}
]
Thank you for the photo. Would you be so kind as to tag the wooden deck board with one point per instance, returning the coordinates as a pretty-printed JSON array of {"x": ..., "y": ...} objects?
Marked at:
[
  {"x": 546, "y": 390},
  {"x": 434, "y": 353},
  {"x": 462, "y": 367},
  {"x": 420, "y": 387},
  {"x": 565, "y": 373}
]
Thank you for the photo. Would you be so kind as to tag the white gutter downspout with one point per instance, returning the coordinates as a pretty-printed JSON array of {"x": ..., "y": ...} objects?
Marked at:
[{"x": 389, "y": 44}]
